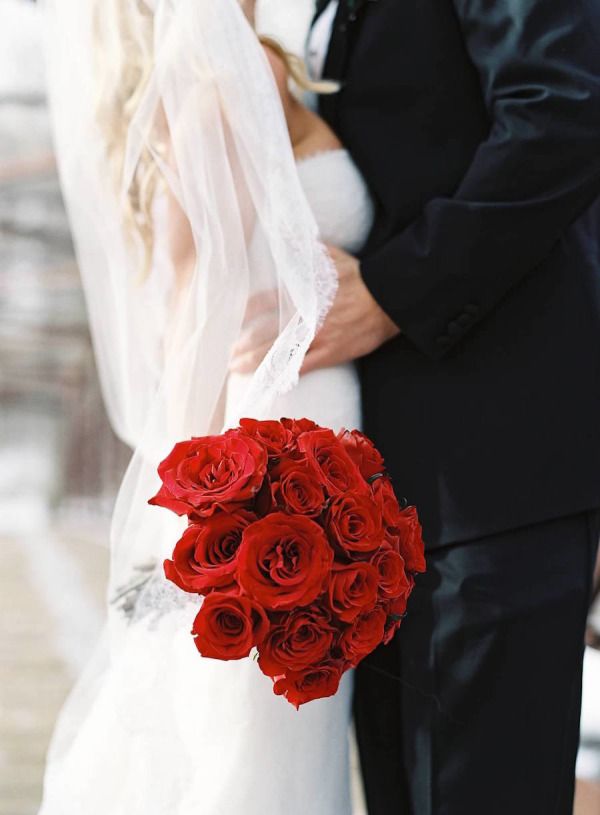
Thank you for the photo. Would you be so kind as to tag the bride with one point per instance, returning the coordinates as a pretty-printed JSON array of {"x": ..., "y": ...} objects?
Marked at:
[{"x": 200, "y": 193}]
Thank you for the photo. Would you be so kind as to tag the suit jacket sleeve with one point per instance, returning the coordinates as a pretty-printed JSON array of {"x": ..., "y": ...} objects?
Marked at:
[{"x": 537, "y": 171}]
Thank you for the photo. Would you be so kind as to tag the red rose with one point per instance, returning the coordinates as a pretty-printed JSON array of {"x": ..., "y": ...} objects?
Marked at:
[
  {"x": 229, "y": 626},
  {"x": 295, "y": 487},
  {"x": 364, "y": 635},
  {"x": 384, "y": 495},
  {"x": 411, "y": 543},
  {"x": 354, "y": 521},
  {"x": 284, "y": 561},
  {"x": 303, "y": 638},
  {"x": 297, "y": 426},
  {"x": 336, "y": 469},
  {"x": 353, "y": 590},
  {"x": 403, "y": 529},
  {"x": 205, "y": 557},
  {"x": 205, "y": 473},
  {"x": 363, "y": 452},
  {"x": 319, "y": 682},
  {"x": 277, "y": 438},
  {"x": 392, "y": 625},
  {"x": 393, "y": 579},
  {"x": 397, "y": 606},
  {"x": 396, "y": 610}
]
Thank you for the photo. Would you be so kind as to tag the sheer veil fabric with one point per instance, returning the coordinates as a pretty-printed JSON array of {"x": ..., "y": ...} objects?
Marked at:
[
  {"x": 162, "y": 342},
  {"x": 209, "y": 122}
]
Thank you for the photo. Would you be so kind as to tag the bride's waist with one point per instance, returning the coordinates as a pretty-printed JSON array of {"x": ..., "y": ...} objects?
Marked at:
[
  {"x": 324, "y": 379},
  {"x": 328, "y": 396}
]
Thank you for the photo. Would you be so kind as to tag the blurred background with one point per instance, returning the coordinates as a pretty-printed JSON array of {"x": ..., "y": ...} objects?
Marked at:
[{"x": 60, "y": 464}]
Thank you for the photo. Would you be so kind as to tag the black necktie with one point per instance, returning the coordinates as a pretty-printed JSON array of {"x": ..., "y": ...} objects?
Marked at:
[{"x": 349, "y": 9}]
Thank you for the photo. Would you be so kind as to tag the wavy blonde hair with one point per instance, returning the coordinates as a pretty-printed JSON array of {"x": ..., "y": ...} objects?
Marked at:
[{"x": 123, "y": 36}]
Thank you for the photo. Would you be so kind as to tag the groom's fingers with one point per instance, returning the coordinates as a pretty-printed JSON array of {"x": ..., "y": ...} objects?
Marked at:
[{"x": 354, "y": 327}]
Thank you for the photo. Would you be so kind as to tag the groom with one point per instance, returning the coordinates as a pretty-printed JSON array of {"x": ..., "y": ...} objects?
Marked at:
[{"x": 475, "y": 313}]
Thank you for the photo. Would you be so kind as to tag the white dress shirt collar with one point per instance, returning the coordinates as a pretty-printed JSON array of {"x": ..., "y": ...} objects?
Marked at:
[{"x": 318, "y": 40}]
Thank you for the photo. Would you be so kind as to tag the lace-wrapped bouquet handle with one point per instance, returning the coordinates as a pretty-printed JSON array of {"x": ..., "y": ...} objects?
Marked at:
[{"x": 298, "y": 544}]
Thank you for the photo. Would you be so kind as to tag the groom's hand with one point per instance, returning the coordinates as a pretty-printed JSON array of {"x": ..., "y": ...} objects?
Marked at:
[{"x": 355, "y": 326}]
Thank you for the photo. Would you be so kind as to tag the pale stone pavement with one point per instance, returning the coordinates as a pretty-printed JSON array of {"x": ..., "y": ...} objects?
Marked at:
[{"x": 40, "y": 652}]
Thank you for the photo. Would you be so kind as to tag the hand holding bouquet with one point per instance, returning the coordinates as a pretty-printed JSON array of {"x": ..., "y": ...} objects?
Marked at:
[{"x": 298, "y": 544}]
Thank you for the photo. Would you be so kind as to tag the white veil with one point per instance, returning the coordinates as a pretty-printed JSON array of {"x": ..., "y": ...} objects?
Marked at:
[{"x": 210, "y": 124}]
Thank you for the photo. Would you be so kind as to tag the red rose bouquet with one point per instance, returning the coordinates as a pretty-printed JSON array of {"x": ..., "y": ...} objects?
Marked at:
[{"x": 298, "y": 544}]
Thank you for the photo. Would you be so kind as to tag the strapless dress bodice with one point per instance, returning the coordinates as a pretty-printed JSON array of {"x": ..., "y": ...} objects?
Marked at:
[{"x": 338, "y": 197}]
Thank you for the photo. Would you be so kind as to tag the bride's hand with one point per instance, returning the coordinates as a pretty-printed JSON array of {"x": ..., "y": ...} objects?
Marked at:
[
  {"x": 259, "y": 331},
  {"x": 249, "y": 9},
  {"x": 355, "y": 326}
]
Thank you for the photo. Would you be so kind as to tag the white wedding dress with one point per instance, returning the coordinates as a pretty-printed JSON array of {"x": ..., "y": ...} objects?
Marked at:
[{"x": 163, "y": 731}]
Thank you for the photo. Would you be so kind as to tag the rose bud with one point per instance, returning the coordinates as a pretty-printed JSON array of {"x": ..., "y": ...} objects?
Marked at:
[
  {"x": 300, "y": 687},
  {"x": 363, "y": 636},
  {"x": 229, "y": 626},
  {"x": 363, "y": 453},
  {"x": 336, "y": 469},
  {"x": 209, "y": 472},
  {"x": 402, "y": 527},
  {"x": 392, "y": 625},
  {"x": 353, "y": 590},
  {"x": 385, "y": 497},
  {"x": 397, "y": 606},
  {"x": 303, "y": 638},
  {"x": 205, "y": 558},
  {"x": 412, "y": 547},
  {"x": 354, "y": 521},
  {"x": 284, "y": 561}
]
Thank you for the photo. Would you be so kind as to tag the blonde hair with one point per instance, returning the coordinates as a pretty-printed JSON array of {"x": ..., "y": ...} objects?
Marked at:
[
  {"x": 123, "y": 34},
  {"x": 296, "y": 68}
]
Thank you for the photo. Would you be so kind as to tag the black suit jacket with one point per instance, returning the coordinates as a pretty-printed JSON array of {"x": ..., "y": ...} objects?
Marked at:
[{"x": 477, "y": 126}]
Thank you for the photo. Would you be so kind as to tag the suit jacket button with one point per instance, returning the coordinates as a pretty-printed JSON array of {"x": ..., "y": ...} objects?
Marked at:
[
  {"x": 453, "y": 328},
  {"x": 464, "y": 320}
]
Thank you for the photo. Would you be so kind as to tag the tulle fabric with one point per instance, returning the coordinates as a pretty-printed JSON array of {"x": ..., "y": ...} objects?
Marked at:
[
  {"x": 163, "y": 343},
  {"x": 151, "y": 728},
  {"x": 159, "y": 737}
]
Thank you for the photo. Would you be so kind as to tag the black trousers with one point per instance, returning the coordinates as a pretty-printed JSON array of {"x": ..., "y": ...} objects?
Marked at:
[{"x": 474, "y": 708}]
